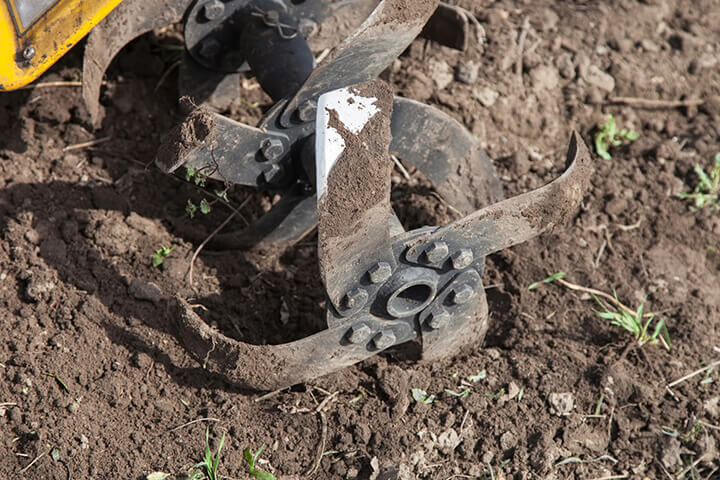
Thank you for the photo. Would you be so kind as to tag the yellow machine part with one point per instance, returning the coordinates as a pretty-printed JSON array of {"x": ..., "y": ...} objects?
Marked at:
[{"x": 26, "y": 51}]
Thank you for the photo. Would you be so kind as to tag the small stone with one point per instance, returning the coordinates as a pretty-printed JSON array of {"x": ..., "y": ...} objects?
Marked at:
[
  {"x": 565, "y": 65},
  {"x": 486, "y": 96},
  {"x": 544, "y": 77},
  {"x": 467, "y": 73},
  {"x": 448, "y": 440},
  {"x": 712, "y": 406},
  {"x": 73, "y": 407},
  {"x": 352, "y": 473},
  {"x": 145, "y": 290},
  {"x": 32, "y": 236},
  {"x": 441, "y": 73},
  {"x": 649, "y": 45},
  {"x": 594, "y": 76},
  {"x": 84, "y": 442},
  {"x": 513, "y": 390},
  {"x": 488, "y": 457},
  {"x": 561, "y": 404},
  {"x": 14, "y": 415},
  {"x": 508, "y": 440},
  {"x": 493, "y": 353}
]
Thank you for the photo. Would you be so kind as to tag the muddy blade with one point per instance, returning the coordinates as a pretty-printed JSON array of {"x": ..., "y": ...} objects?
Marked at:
[
  {"x": 353, "y": 181},
  {"x": 128, "y": 21},
  {"x": 366, "y": 53}
]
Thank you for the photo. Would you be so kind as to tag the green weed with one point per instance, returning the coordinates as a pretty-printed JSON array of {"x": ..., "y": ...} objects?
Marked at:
[
  {"x": 608, "y": 136},
  {"x": 421, "y": 396},
  {"x": 254, "y": 472},
  {"x": 707, "y": 191},
  {"x": 209, "y": 463},
  {"x": 634, "y": 323},
  {"x": 550, "y": 279},
  {"x": 161, "y": 254}
]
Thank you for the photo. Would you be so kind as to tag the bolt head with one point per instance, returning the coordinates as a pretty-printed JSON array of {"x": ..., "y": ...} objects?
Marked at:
[
  {"x": 213, "y": 9},
  {"x": 307, "y": 27},
  {"x": 438, "y": 320},
  {"x": 384, "y": 339},
  {"x": 436, "y": 252},
  {"x": 462, "y": 258},
  {"x": 358, "y": 334},
  {"x": 307, "y": 111},
  {"x": 356, "y": 298},
  {"x": 209, "y": 48},
  {"x": 380, "y": 272},
  {"x": 272, "y": 148},
  {"x": 272, "y": 173},
  {"x": 29, "y": 53},
  {"x": 463, "y": 294}
]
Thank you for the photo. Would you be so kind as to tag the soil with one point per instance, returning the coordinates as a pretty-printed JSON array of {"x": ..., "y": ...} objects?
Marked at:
[{"x": 90, "y": 364}]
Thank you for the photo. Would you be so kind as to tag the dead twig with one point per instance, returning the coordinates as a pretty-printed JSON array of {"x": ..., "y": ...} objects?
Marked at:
[
  {"x": 165, "y": 75},
  {"x": 608, "y": 297},
  {"x": 521, "y": 47},
  {"x": 692, "y": 374},
  {"x": 321, "y": 445},
  {"x": 50, "y": 85},
  {"x": 401, "y": 167},
  {"x": 25, "y": 469},
  {"x": 91, "y": 143},
  {"x": 192, "y": 422},
  {"x": 652, "y": 103},
  {"x": 692, "y": 466}
]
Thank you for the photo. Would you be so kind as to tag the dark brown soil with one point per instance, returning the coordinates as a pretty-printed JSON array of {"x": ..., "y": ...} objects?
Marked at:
[{"x": 80, "y": 300}]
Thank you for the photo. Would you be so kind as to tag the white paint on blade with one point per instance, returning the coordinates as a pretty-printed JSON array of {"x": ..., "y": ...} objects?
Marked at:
[{"x": 354, "y": 112}]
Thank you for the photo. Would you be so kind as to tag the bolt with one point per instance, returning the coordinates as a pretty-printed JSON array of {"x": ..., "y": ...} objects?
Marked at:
[
  {"x": 307, "y": 111},
  {"x": 437, "y": 320},
  {"x": 436, "y": 252},
  {"x": 463, "y": 294},
  {"x": 384, "y": 339},
  {"x": 272, "y": 173},
  {"x": 28, "y": 53},
  {"x": 213, "y": 9},
  {"x": 359, "y": 334},
  {"x": 462, "y": 258},
  {"x": 272, "y": 148},
  {"x": 356, "y": 298},
  {"x": 380, "y": 272},
  {"x": 209, "y": 48},
  {"x": 307, "y": 27},
  {"x": 272, "y": 17}
]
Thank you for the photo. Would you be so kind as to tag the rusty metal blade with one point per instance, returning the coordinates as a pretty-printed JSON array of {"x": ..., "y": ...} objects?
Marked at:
[
  {"x": 523, "y": 217},
  {"x": 129, "y": 20},
  {"x": 388, "y": 31},
  {"x": 353, "y": 181}
]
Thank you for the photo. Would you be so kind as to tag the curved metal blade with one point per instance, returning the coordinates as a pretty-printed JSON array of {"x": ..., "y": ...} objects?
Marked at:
[
  {"x": 524, "y": 217},
  {"x": 353, "y": 182},
  {"x": 129, "y": 20},
  {"x": 270, "y": 367},
  {"x": 446, "y": 153},
  {"x": 388, "y": 31}
]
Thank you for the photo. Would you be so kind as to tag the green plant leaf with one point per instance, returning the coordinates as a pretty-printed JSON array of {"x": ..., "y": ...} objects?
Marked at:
[
  {"x": 421, "y": 396},
  {"x": 189, "y": 173},
  {"x": 190, "y": 208},
  {"x": 205, "y": 207},
  {"x": 550, "y": 279},
  {"x": 480, "y": 376}
]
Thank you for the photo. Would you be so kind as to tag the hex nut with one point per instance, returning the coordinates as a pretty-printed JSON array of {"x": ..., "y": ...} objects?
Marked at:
[
  {"x": 384, "y": 339},
  {"x": 436, "y": 252},
  {"x": 307, "y": 27},
  {"x": 209, "y": 48},
  {"x": 380, "y": 272},
  {"x": 438, "y": 320},
  {"x": 272, "y": 148},
  {"x": 307, "y": 111},
  {"x": 463, "y": 294},
  {"x": 213, "y": 9},
  {"x": 356, "y": 298},
  {"x": 358, "y": 334},
  {"x": 462, "y": 258},
  {"x": 272, "y": 173}
]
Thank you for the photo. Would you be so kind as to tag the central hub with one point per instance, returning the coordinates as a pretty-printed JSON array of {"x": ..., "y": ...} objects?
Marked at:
[{"x": 410, "y": 291}]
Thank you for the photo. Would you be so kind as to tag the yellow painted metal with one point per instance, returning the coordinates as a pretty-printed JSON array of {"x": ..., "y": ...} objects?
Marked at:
[{"x": 46, "y": 40}]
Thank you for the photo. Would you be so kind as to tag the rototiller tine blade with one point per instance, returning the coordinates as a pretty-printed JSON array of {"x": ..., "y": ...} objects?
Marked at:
[{"x": 385, "y": 286}]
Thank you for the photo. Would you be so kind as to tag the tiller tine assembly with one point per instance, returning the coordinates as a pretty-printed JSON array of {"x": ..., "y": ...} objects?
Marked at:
[
  {"x": 224, "y": 38},
  {"x": 326, "y": 145}
]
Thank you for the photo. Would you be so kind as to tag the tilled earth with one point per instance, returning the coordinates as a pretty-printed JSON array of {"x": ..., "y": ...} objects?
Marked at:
[{"x": 90, "y": 367}]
